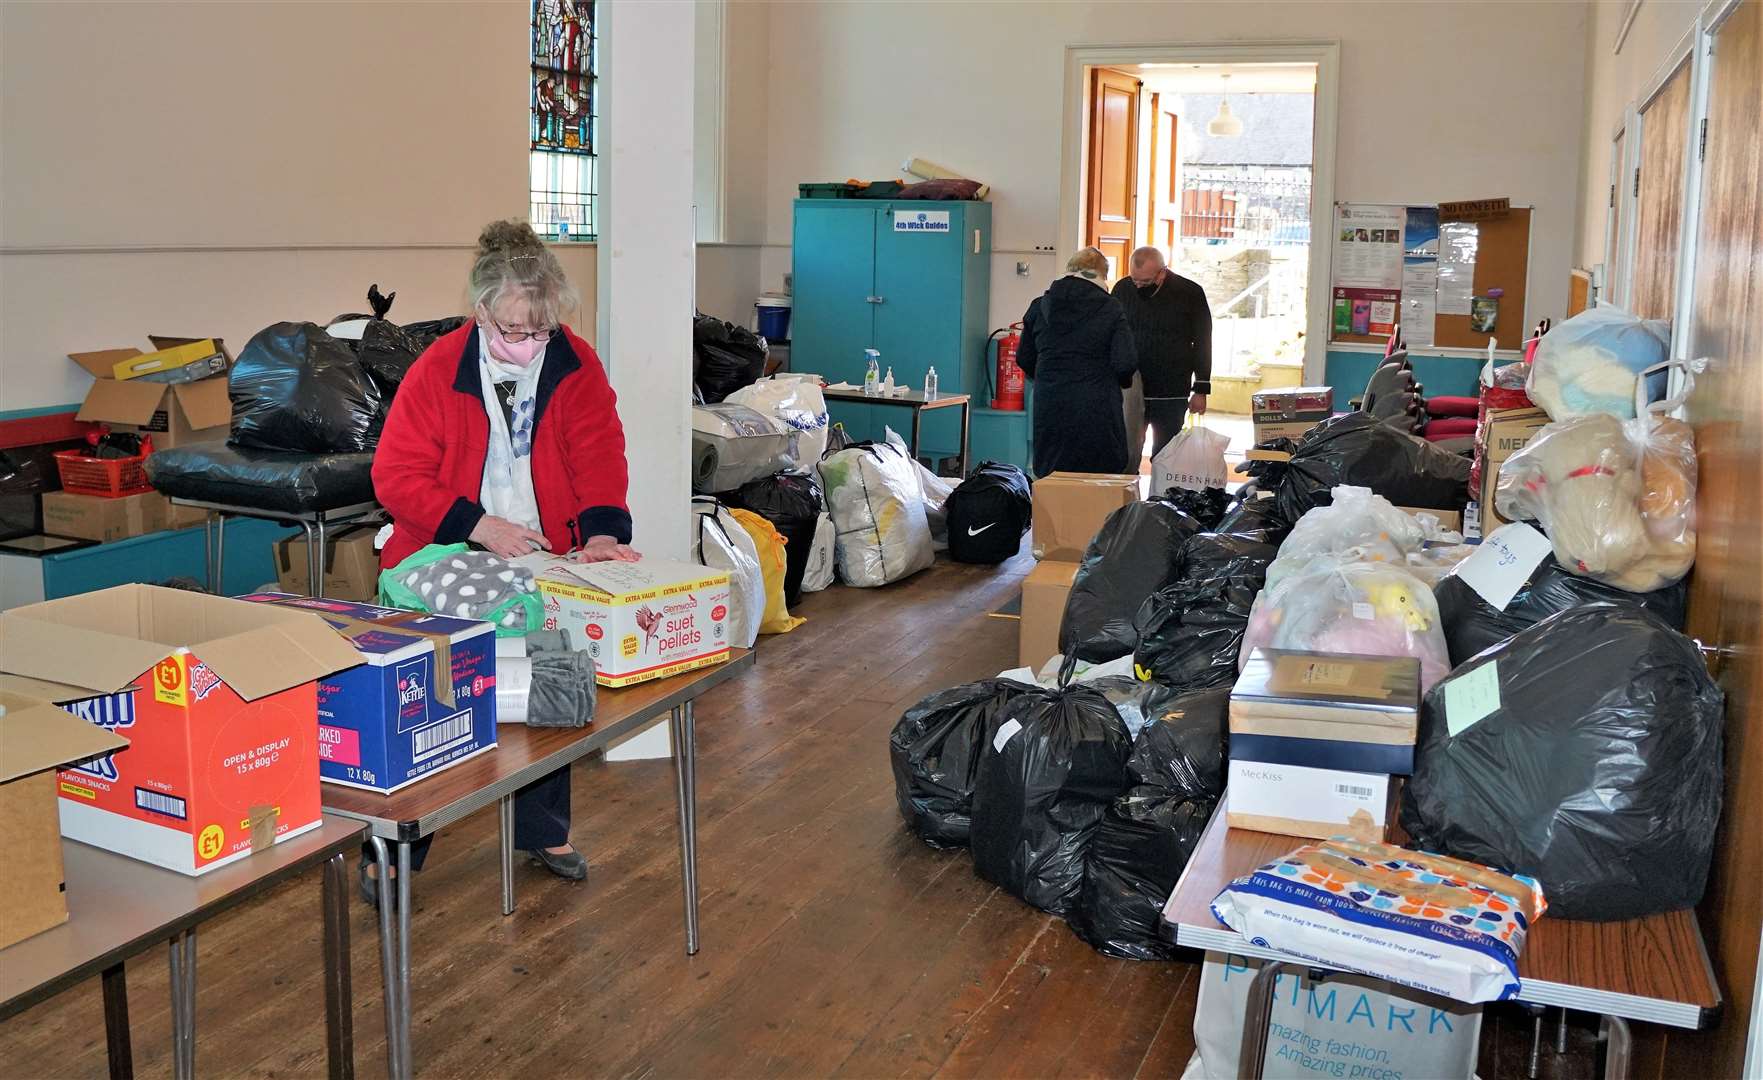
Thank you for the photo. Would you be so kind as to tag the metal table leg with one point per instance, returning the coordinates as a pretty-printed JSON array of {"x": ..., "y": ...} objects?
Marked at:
[
  {"x": 220, "y": 554},
  {"x": 388, "y": 958},
  {"x": 685, "y": 766},
  {"x": 966, "y": 436},
  {"x": 1257, "y": 1015},
  {"x": 116, "y": 1024},
  {"x": 505, "y": 812},
  {"x": 208, "y": 553},
  {"x": 183, "y": 1005},
  {"x": 1561, "y": 1034},
  {"x": 403, "y": 914},
  {"x": 339, "y": 1016},
  {"x": 1618, "y": 1049},
  {"x": 917, "y": 428},
  {"x": 316, "y": 552}
]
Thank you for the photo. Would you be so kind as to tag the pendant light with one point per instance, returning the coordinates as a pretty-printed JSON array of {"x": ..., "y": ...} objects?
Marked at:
[{"x": 1226, "y": 124}]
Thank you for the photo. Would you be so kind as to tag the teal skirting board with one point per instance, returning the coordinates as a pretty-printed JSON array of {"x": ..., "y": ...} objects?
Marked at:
[{"x": 1349, "y": 370}]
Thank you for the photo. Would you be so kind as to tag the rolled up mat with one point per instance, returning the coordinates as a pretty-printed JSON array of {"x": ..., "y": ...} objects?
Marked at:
[
  {"x": 514, "y": 683},
  {"x": 704, "y": 465}
]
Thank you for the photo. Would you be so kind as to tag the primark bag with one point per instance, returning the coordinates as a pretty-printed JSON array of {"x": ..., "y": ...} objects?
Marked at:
[
  {"x": 1346, "y": 1025},
  {"x": 1194, "y": 460}
]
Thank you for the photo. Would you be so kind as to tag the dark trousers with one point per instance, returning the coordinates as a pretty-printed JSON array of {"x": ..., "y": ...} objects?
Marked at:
[
  {"x": 541, "y": 818},
  {"x": 1165, "y": 415}
]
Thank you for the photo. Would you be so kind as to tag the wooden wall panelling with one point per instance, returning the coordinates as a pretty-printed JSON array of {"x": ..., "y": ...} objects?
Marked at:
[{"x": 1659, "y": 217}]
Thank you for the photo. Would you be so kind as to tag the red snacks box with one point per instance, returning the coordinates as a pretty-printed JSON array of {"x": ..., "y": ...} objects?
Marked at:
[{"x": 219, "y": 703}]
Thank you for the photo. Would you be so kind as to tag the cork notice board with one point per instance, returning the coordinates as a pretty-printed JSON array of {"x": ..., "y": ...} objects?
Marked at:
[{"x": 1501, "y": 262}]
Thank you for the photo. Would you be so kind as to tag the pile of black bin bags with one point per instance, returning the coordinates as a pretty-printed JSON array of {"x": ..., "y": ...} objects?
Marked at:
[
  {"x": 1060, "y": 805},
  {"x": 793, "y": 503}
]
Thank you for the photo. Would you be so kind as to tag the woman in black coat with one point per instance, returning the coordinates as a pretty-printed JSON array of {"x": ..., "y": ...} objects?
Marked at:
[{"x": 1077, "y": 348}]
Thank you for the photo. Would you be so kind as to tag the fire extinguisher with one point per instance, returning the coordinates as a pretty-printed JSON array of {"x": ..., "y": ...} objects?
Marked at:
[{"x": 1006, "y": 379}]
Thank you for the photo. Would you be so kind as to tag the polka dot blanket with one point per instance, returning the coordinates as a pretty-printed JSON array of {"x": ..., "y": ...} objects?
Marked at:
[{"x": 472, "y": 585}]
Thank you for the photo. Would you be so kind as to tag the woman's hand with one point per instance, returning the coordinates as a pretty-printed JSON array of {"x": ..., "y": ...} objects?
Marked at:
[
  {"x": 503, "y": 537},
  {"x": 606, "y": 549}
]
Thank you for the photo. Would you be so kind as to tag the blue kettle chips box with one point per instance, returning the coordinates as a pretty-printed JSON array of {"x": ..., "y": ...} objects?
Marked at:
[{"x": 392, "y": 721}]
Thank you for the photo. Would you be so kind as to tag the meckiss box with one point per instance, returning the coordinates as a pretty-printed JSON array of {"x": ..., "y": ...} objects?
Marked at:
[
  {"x": 639, "y": 621},
  {"x": 219, "y": 702},
  {"x": 391, "y": 721}
]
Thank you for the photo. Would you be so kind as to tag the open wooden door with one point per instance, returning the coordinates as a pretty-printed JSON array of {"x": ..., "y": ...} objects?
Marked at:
[
  {"x": 1111, "y": 220},
  {"x": 1165, "y": 224}
]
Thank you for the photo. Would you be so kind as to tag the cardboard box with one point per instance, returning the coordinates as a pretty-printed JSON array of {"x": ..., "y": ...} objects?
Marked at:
[
  {"x": 1295, "y": 800},
  {"x": 1289, "y": 412},
  {"x": 177, "y": 364},
  {"x": 218, "y": 699},
  {"x": 175, "y": 415},
  {"x": 1043, "y": 606},
  {"x": 36, "y": 738},
  {"x": 392, "y": 721},
  {"x": 1326, "y": 711},
  {"x": 639, "y": 621},
  {"x": 351, "y": 565},
  {"x": 185, "y": 517},
  {"x": 1069, "y": 509},
  {"x": 1448, "y": 519},
  {"x": 94, "y": 517},
  {"x": 1508, "y": 431}
]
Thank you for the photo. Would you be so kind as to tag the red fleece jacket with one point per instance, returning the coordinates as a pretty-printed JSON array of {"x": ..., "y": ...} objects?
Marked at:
[{"x": 428, "y": 471}]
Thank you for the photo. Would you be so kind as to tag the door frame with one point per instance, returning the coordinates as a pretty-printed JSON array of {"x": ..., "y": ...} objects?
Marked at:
[{"x": 1326, "y": 55}]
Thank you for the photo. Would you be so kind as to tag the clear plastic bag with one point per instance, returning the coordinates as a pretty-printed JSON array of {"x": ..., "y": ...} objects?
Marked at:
[
  {"x": 1616, "y": 497},
  {"x": 1360, "y": 526},
  {"x": 1365, "y": 609},
  {"x": 1589, "y": 364},
  {"x": 798, "y": 406}
]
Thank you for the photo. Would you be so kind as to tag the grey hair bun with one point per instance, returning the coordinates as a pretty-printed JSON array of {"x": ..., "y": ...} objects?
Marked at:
[{"x": 511, "y": 237}]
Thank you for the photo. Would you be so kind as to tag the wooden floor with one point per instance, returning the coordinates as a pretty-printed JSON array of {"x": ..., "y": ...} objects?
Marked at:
[{"x": 834, "y": 943}]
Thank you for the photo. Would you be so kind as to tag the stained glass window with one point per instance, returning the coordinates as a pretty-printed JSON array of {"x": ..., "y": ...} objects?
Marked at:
[{"x": 563, "y": 60}]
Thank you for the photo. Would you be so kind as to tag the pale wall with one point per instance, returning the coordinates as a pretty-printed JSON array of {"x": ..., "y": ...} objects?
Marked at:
[
  {"x": 1613, "y": 82},
  {"x": 1437, "y": 101}
]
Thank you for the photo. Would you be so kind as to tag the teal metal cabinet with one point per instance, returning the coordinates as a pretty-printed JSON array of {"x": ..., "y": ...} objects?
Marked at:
[{"x": 909, "y": 279}]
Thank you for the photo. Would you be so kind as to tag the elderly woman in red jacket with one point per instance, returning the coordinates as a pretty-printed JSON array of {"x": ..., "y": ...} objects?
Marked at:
[{"x": 505, "y": 434}]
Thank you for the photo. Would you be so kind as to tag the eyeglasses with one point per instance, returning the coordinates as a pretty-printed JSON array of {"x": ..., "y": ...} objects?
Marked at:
[{"x": 515, "y": 337}]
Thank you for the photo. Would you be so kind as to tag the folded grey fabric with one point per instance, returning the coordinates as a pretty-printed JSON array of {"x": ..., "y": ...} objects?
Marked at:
[
  {"x": 563, "y": 691},
  {"x": 538, "y": 641},
  {"x": 469, "y": 585}
]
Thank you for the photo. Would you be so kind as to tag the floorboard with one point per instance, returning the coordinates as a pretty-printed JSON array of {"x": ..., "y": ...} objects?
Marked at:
[{"x": 834, "y": 943}]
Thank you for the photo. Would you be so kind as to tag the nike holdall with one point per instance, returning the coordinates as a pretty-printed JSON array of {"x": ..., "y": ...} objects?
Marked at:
[{"x": 988, "y": 514}]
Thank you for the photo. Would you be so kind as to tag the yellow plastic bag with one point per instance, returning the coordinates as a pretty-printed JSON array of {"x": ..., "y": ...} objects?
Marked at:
[{"x": 770, "y": 543}]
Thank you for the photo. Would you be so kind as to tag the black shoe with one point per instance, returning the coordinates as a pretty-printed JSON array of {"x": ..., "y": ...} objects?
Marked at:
[
  {"x": 370, "y": 887},
  {"x": 570, "y": 867}
]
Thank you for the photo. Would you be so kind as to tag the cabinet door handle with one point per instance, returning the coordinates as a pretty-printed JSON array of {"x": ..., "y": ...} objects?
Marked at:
[{"x": 877, "y": 299}]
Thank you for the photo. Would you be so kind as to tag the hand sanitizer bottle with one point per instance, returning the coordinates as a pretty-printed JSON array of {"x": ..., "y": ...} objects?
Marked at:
[
  {"x": 887, "y": 387},
  {"x": 872, "y": 376},
  {"x": 930, "y": 384}
]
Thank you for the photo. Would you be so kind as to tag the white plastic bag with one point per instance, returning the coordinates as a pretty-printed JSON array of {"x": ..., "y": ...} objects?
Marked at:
[
  {"x": 1589, "y": 364},
  {"x": 877, "y": 504},
  {"x": 796, "y": 403},
  {"x": 821, "y": 567},
  {"x": 1346, "y": 1025},
  {"x": 735, "y": 444},
  {"x": 936, "y": 491},
  {"x": 719, "y": 542},
  {"x": 1194, "y": 459},
  {"x": 1359, "y": 526}
]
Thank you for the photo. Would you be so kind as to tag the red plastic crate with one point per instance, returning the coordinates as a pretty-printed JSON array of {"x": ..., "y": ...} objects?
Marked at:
[{"x": 109, "y": 477}]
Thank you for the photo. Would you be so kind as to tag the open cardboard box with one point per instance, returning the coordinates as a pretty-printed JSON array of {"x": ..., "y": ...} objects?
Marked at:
[
  {"x": 36, "y": 738},
  {"x": 219, "y": 701},
  {"x": 174, "y": 414}
]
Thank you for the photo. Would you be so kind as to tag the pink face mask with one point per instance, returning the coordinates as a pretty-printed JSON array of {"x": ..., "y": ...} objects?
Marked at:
[{"x": 519, "y": 353}]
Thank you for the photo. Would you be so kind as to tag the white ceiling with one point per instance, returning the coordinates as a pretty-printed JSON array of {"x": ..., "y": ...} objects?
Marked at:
[{"x": 1244, "y": 78}]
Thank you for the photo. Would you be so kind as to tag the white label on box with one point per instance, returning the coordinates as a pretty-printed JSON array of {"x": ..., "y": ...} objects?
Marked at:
[
  {"x": 1349, "y": 790},
  {"x": 1471, "y": 696},
  {"x": 1006, "y": 731},
  {"x": 1502, "y": 563},
  {"x": 1362, "y": 610},
  {"x": 921, "y": 221},
  {"x": 1300, "y": 793}
]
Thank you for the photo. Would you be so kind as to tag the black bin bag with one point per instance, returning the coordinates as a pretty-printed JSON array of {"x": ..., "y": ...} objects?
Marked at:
[
  {"x": 1149, "y": 832},
  {"x": 295, "y": 388},
  {"x": 1191, "y": 632},
  {"x": 792, "y": 503},
  {"x": 386, "y": 351},
  {"x": 1054, "y": 763},
  {"x": 1256, "y": 518},
  {"x": 1136, "y": 552},
  {"x": 1207, "y": 506},
  {"x": 725, "y": 357},
  {"x": 1597, "y": 772},
  {"x": 1471, "y": 624},
  {"x": 935, "y": 752},
  {"x": 1357, "y": 449},
  {"x": 988, "y": 513}
]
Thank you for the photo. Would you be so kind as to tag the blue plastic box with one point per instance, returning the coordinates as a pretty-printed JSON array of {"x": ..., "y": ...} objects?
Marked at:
[{"x": 389, "y": 722}]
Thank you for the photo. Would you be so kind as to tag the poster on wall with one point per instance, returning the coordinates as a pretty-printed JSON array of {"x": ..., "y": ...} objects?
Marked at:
[
  {"x": 1458, "y": 243},
  {"x": 1365, "y": 311},
  {"x": 1420, "y": 275},
  {"x": 1368, "y": 246}
]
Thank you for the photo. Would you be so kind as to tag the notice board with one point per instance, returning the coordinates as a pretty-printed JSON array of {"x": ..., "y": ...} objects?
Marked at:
[{"x": 1433, "y": 274}]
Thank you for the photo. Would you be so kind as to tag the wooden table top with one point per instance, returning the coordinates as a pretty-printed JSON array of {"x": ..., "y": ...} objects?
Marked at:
[
  {"x": 1654, "y": 969},
  {"x": 522, "y": 755},
  {"x": 914, "y": 398},
  {"x": 118, "y": 906}
]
